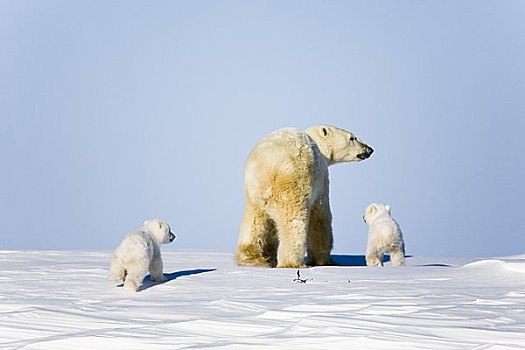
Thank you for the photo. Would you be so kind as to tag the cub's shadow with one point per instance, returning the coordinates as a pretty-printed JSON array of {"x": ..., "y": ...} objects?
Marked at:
[
  {"x": 148, "y": 282},
  {"x": 353, "y": 260}
]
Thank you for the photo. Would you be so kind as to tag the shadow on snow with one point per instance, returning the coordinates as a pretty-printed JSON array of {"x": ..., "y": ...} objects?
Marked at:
[
  {"x": 148, "y": 282},
  {"x": 360, "y": 260},
  {"x": 353, "y": 260}
]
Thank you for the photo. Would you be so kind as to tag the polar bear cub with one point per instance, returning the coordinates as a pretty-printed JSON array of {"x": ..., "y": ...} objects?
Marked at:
[
  {"x": 384, "y": 236},
  {"x": 138, "y": 253}
]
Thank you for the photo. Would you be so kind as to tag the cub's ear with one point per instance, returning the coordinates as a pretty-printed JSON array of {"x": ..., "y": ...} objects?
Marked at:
[
  {"x": 371, "y": 209},
  {"x": 146, "y": 222},
  {"x": 324, "y": 131},
  {"x": 387, "y": 207}
]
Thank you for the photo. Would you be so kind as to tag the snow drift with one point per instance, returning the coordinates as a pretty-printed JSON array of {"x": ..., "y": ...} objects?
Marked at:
[{"x": 64, "y": 300}]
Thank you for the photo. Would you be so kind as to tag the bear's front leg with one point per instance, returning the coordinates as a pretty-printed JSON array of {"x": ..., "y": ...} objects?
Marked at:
[
  {"x": 155, "y": 269},
  {"x": 320, "y": 237}
]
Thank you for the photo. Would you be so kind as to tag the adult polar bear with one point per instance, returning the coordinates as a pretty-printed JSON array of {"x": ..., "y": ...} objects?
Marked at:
[{"x": 287, "y": 210}]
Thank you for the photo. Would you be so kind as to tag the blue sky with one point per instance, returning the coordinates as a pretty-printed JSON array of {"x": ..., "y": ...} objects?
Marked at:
[{"x": 114, "y": 112}]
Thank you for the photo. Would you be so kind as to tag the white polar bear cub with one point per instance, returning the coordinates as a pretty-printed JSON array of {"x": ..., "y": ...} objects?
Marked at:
[
  {"x": 384, "y": 236},
  {"x": 138, "y": 253}
]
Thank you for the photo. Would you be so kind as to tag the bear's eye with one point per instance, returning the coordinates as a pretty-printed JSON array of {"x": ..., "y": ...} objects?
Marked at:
[{"x": 352, "y": 138}]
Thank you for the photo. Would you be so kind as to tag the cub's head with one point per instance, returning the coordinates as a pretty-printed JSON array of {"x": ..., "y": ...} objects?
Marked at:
[
  {"x": 161, "y": 230},
  {"x": 338, "y": 145},
  {"x": 375, "y": 210}
]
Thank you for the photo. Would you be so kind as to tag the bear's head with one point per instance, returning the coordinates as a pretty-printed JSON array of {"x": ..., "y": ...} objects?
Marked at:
[
  {"x": 161, "y": 230},
  {"x": 375, "y": 210},
  {"x": 338, "y": 145}
]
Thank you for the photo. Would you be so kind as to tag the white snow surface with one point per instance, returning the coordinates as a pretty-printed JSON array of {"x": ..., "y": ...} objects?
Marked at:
[{"x": 64, "y": 300}]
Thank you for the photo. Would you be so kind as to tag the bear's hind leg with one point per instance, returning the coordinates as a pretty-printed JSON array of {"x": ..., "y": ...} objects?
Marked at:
[
  {"x": 374, "y": 258},
  {"x": 271, "y": 244},
  {"x": 397, "y": 257},
  {"x": 254, "y": 237},
  {"x": 292, "y": 231},
  {"x": 117, "y": 272},
  {"x": 136, "y": 271},
  {"x": 133, "y": 280}
]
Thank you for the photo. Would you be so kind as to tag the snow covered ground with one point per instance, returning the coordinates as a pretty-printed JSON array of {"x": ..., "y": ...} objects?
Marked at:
[{"x": 63, "y": 300}]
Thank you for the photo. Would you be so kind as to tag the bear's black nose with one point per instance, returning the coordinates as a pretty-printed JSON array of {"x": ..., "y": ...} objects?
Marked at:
[
  {"x": 172, "y": 237},
  {"x": 367, "y": 152}
]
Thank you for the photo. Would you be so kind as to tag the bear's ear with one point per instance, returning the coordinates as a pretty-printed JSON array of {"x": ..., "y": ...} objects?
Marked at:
[
  {"x": 324, "y": 131},
  {"x": 160, "y": 224},
  {"x": 387, "y": 207},
  {"x": 372, "y": 209},
  {"x": 146, "y": 222}
]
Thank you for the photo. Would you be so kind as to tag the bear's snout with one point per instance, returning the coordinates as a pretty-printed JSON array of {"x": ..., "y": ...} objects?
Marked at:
[
  {"x": 367, "y": 152},
  {"x": 172, "y": 236}
]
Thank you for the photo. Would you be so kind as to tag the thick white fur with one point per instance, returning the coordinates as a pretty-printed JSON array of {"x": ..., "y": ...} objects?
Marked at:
[
  {"x": 287, "y": 210},
  {"x": 384, "y": 236},
  {"x": 138, "y": 253}
]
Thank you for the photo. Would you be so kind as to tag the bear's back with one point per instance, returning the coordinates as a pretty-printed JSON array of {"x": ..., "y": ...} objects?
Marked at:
[
  {"x": 135, "y": 243},
  {"x": 286, "y": 160},
  {"x": 285, "y": 150}
]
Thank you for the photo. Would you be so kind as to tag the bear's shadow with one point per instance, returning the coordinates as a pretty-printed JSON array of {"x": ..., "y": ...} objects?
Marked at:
[
  {"x": 148, "y": 282},
  {"x": 360, "y": 260},
  {"x": 353, "y": 260}
]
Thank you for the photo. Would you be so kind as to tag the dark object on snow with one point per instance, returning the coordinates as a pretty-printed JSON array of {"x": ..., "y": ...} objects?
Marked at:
[{"x": 299, "y": 279}]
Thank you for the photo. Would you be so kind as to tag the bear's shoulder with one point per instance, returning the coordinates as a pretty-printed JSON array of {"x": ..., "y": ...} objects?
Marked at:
[
  {"x": 289, "y": 138},
  {"x": 140, "y": 235}
]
